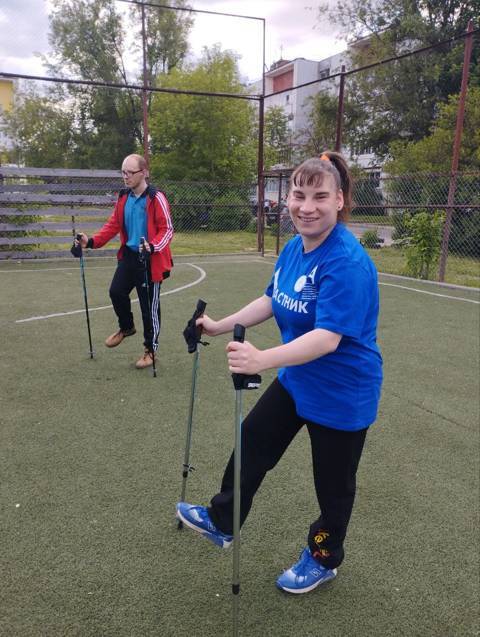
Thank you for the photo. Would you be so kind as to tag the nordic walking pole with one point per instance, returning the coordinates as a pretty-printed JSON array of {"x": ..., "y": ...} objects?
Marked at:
[
  {"x": 77, "y": 252},
  {"x": 240, "y": 382},
  {"x": 192, "y": 335},
  {"x": 144, "y": 259}
]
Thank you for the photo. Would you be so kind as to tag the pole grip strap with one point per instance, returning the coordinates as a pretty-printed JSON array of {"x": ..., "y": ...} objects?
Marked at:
[{"x": 192, "y": 333}]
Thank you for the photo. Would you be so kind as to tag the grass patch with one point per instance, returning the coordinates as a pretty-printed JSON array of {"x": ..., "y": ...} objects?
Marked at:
[
  {"x": 220, "y": 242},
  {"x": 460, "y": 270},
  {"x": 91, "y": 454},
  {"x": 375, "y": 220}
]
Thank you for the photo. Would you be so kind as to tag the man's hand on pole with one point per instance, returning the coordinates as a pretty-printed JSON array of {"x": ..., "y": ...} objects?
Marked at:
[
  {"x": 82, "y": 241},
  {"x": 79, "y": 242},
  {"x": 144, "y": 246}
]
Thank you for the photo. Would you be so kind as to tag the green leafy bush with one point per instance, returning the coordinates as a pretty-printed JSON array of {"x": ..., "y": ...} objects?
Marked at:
[
  {"x": 370, "y": 239},
  {"x": 425, "y": 237},
  {"x": 400, "y": 224},
  {"x": 229, "y": 212}
]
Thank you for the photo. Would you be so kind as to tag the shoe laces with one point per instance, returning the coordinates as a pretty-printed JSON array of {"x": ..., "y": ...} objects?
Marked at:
[
  {"x": 305, "y": 563},
  {"x": 203, "y": 514}
]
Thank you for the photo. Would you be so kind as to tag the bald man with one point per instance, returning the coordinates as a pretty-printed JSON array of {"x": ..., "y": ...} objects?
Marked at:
[{"x": 140, "y": 211}]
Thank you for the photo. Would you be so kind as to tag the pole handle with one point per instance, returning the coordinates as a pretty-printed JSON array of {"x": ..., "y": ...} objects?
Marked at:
[
  {"x": 77, "y": 250},
  {"x": 201, "y": 305},
  {"x": 143, "y": 252},
  {"x": 238, "y": 333},
  {"x": 244, "y": 381},
  {"x": 192, "y": 334}
]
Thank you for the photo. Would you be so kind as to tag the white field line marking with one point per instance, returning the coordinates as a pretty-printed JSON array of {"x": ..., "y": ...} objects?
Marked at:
[
  {"x": 108, "y": 267},
  {"x": 254, "y": 260},
  {"x": 406, "y": 287},
  {"x": 445, "y": 296},
  {"x": 90, "y": 267},
  {"x": 438, "y": 284},
  {"x": 203, "y": 274}
]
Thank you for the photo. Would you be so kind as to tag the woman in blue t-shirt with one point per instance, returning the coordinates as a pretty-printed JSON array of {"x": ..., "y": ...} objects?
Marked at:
[{"x": 324, "y": 297}]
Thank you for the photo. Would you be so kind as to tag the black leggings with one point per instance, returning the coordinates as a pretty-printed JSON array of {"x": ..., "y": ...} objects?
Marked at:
[{"x": 266, "y": 433}]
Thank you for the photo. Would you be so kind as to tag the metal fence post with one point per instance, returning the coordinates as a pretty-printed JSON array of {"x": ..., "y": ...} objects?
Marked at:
[
  {"x": 279, "y": 212},
  {"x": 340, "y": 109},
  {"x": 260, "y": 180},
  {"x": 456, "y": 152},
  {"x": 146, "y": 152}
]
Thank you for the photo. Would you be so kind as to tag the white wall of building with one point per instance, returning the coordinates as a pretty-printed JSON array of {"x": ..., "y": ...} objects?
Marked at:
[{"x": 295, "y": 102}]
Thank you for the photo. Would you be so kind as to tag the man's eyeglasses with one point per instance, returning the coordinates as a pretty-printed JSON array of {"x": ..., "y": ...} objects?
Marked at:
[{"x": 130, "y": 173}]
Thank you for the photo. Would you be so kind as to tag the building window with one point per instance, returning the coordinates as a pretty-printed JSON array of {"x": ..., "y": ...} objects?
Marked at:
[{"x": 287, "y": 98}]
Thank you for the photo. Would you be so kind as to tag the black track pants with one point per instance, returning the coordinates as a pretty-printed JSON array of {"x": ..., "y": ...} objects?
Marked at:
[
  {"x": 266, "y": 433},
  {"x": 130, "y": 273}
]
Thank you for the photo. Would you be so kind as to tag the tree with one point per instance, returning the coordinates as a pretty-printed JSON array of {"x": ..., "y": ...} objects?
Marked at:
[
  {"x": 320, "y": 132},
  {"x": 166, "y": 33},
  {"x": 434, "y": 152},
  {"x": 399, "y": 100},
  {"x": 41, "y": 132},
  {"x": 276, "y": 137},
  {"x": 88, "y": 41},
  {"x": 433, "y": 155},
  {"x": 203, "y": 138}
]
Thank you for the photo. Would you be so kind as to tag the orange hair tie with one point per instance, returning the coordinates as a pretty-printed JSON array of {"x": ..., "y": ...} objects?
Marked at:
[{"x": 325, "y": 157}]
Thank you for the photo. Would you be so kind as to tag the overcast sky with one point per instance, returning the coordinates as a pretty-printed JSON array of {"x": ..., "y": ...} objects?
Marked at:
[{"x": 292, "y": 30}]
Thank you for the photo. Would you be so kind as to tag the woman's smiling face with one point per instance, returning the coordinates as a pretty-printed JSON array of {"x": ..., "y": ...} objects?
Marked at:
[{"x": 314, "y": 210}]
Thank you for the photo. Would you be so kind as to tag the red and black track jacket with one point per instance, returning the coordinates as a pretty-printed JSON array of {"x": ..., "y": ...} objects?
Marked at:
[{"x": 159, "y": 230}]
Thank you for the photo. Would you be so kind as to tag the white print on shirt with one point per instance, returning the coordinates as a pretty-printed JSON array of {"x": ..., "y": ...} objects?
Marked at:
[
  {"x": 283, "y": 299},
  {"x": 300, "y": 283},
  {"x": 310, "y": 292},
  {"x": 275, "y": 280},
  {"x": 306, "y": 285}
]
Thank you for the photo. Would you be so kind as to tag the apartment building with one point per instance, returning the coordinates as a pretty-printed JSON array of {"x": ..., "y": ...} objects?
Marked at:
[
  {"x": 7, "y": 91},
  {"x": 284, "y": 75}
]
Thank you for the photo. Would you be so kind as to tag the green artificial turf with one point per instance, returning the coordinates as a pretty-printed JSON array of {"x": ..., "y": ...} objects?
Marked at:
[{"x": 91, "y": 455}]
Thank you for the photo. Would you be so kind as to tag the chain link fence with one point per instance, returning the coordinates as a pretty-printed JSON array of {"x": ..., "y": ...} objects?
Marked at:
[
  {"x": 393, "y": 201},
  {"x": 214, "y": 207},
  {"x": 42, "y": 208},
  {"x": 385, "y": 216}
]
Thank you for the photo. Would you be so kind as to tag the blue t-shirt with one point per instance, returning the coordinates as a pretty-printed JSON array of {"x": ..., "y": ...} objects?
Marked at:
[
  {"x": 333, "y": 287},
  {"x": 135, "y": 219}
]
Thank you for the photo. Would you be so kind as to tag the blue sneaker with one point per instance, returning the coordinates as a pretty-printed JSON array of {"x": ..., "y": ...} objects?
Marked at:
[
  {"x": 305, "y": 575},
  {"x": 197, "y": 518}
]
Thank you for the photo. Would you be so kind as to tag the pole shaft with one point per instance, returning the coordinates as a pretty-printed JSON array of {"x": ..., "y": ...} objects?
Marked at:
[
  {"x": 188, "y": 442},
  {"x": 236, "y": 509},
  {"x": 84, "y": 285}
]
